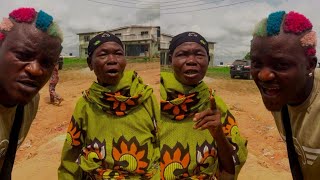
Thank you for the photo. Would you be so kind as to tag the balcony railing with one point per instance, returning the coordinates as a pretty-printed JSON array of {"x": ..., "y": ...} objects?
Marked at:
[{"x": 135, "y": 37}]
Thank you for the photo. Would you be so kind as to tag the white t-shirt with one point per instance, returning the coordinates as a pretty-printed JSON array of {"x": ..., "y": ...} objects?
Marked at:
[
  {"x": 6, "y": 122},
  {"x": 305, "y": 125}
]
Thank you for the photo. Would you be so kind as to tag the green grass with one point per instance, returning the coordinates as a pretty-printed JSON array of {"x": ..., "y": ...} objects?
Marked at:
[
  {"x": 79, "y": 63},
  {"x": 141, "y": 59},
  {"x": 216, "y": 72},
  {"x": 219, "y": 72},
  {"x": 74, "y": 63}
]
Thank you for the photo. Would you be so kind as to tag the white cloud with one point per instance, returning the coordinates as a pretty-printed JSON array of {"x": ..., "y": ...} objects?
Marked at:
[{"x": 229, "y": 26}]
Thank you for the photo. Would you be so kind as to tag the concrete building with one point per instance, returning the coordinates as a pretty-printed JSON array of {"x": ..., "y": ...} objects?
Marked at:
[
  {"x": 137, "y": 40},
  {"x": 164, "y": 49}
]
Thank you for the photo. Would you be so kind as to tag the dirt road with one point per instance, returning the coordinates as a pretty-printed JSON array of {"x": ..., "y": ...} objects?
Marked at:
[{"x": 39, "y": 156}]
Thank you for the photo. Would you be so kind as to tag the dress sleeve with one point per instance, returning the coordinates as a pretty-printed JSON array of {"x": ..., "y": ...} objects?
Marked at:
[
  {"x": 69, "y": 168},
  {"x": 231, "y": 131}
]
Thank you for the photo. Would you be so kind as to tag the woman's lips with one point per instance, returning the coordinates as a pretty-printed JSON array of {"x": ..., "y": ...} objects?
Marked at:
[{"x": 191, "y": 73}]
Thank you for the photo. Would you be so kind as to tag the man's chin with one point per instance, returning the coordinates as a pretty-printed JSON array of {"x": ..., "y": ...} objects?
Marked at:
[{"x": 272, "y": 106}]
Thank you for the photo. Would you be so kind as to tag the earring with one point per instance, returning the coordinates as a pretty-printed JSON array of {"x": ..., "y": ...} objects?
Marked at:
[{"x": 310, "y": 74}]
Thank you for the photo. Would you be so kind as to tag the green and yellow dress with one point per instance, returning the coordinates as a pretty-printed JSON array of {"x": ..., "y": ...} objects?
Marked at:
[
  {"x": 112, "y": 133},
  {"x": 187, "y": 153}
]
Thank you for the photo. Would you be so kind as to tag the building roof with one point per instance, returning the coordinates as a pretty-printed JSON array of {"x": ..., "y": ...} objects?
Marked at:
[
  {"x": 119, "y": 28},
  {"x": 165, "y": 34}
]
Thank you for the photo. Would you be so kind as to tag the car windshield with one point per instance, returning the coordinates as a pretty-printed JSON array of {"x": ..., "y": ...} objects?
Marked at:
[{"x": 240, "y": 62}]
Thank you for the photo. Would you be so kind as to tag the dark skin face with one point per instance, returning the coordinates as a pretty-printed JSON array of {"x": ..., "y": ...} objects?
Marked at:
[
  {"x": 281, "y": 70},
  {"x": 189, "y": 63},
  {"x": 27, "y": 59},
  {"x": 108, "y": 63}
]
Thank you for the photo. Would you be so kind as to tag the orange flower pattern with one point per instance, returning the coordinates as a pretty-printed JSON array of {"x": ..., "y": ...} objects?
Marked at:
[
  {"x": 73, "y": 133},
  {"x": 130, "y": 156},
  {"x": 206, "y": 154},
  {"x": 174, "y": 162},
  {"x": 230, "y": 126},
  {"x": 120, "y": 101},
  {"x": 180, "y": 105},
  {"x": 230, "y": 129},
  {"x": 95, "y": 151}
]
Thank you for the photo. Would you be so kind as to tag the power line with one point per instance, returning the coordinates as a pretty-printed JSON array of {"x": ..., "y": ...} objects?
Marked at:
[
  {"x": 161, "y": 2},
  {"x": 187, "y": 2},
  {"x": 120, "y": 5},
  {"x": 216, "y": 7},
  {"x": 171, "y": 1},
  {"x": 190, "y": 5},
  {"x": 140, "y": 3}
]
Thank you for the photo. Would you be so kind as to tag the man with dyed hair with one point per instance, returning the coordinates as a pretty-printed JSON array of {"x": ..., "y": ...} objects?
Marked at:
[
  {"x": 283, "y": 53},
  {"x": 30, "y": 45}
]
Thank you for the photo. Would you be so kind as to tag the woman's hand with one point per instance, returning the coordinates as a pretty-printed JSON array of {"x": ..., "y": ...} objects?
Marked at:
[{"x": 209, "y": 119}]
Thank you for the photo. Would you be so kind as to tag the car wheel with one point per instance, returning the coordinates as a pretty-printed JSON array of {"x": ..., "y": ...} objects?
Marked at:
[{"x": 232, "y": 76}]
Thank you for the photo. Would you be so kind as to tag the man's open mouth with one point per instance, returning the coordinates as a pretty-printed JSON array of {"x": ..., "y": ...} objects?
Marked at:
[{"x": 271, "y": 91}]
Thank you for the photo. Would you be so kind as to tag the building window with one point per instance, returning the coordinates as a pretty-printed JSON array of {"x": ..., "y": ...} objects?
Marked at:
[
  {"x": 144, "y": 33},
  {"x": 118, "y": 34},
  {"x": 86, "y": 51},
  {"x": 86, "y": 38}
]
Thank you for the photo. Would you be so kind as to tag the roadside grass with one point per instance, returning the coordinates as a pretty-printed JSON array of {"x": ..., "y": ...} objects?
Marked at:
[
  {"x": 214, "y": 72},
  {"x": 74, "y": 63}
]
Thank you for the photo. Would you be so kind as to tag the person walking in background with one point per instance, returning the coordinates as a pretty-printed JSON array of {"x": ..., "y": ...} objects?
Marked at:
[{"x": 54, "y": 97}]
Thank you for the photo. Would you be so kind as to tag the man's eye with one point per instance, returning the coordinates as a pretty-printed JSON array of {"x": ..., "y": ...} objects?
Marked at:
[
  {"x": 256, "y": 64},
  {"x": 282, "y": 66},
  {"x": 48, "y": 64},
  {"x": 22, "y": 56}
]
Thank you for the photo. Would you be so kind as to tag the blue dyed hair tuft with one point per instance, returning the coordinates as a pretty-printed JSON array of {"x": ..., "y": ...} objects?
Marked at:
[
  {"x": 274, "y": 23},
  {"x": 44, "y": 20}
]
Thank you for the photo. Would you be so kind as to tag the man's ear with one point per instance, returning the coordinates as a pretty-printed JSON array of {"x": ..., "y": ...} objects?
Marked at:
[
  {"x": 89, "y": 63},
  {"x": 313, "y": 62}
]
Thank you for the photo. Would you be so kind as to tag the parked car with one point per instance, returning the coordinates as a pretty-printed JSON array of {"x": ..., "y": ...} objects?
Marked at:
[{"x": 240, "y": 68}]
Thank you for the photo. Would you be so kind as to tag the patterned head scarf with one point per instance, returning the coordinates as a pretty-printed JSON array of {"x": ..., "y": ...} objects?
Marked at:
[
  {"x": 101, "y": 38},
  {"x": 188, "y": 37}
]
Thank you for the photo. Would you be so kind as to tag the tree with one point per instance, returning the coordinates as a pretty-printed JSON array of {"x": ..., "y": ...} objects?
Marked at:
[{"x": 247, "y": 56}]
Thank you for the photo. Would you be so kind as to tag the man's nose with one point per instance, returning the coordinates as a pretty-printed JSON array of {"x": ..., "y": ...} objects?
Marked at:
[
  {"x": 34, "y": 68},
  {"x": 265, "y": 74}
]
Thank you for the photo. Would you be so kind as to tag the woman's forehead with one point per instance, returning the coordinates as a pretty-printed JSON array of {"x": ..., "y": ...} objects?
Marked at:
[{"x": 190, "y": 45}]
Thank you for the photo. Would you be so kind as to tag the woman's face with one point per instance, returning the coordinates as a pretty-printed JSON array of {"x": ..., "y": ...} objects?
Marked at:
[
  {"x": 190, "y": 63},
  {"x": 108, "y": 63}
]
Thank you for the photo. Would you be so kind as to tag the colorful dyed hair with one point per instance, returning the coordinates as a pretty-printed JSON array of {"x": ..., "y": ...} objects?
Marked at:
[
  {"x": 42, "y": 21},
  {"x": 293, "y": 23}
]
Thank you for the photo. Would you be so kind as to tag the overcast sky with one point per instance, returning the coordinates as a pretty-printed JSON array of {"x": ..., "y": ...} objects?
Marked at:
[{"x": 227, "y": 22}]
